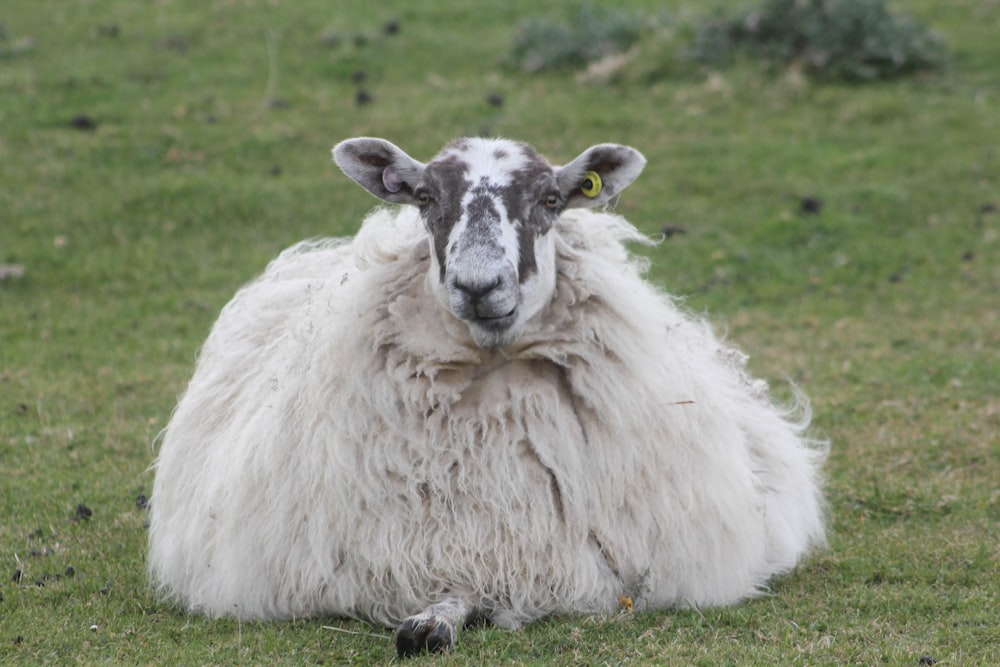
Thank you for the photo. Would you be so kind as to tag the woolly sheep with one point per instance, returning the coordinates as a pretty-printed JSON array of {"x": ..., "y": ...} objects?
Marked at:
[{"x": 476, "y": 407}]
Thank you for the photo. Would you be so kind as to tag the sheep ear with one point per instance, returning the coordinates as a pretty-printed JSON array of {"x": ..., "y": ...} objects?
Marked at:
[
  {"x": 380, "y": 167},
  {"x": 599, "y": 174}
]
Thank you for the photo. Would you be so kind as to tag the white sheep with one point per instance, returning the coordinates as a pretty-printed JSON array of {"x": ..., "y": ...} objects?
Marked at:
[{"x": 476, "y": 407}]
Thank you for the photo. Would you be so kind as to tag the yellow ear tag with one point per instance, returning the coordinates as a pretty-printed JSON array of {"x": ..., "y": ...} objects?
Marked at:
[{"x": 591, "y": 184}]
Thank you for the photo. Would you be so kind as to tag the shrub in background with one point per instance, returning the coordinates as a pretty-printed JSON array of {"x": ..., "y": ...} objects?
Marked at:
[
  {"x": 590, "y": 34},
  {"x": 848, "y": 40}
]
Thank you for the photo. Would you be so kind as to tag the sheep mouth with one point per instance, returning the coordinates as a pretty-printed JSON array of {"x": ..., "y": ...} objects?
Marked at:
[
  {"x": 495, "y": 331},
  {"x": 495, "y": 322}
]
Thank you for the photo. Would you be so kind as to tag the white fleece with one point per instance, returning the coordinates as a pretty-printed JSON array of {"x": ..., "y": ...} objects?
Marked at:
[{"x": 344, "y": 448}]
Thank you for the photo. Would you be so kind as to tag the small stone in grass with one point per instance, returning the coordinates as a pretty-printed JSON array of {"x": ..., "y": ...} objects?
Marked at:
[
  {"x": 70, "y": 571},
  {"x": 83, "y": 123},
  {"x": 11, "y": 271},
  {"x": 811, "y": 205},
  {"x": 141, "y": 501},
  {"x": 363, "y": 98},
  {"x": 927, "y": 660},
  {"x": 83, "y": 512},
  {"x": 17, "y": 640},
  {"x": 17, "y": 577}
]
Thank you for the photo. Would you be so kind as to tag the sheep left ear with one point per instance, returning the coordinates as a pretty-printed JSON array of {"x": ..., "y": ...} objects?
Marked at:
[
  {"x": 380, "y": 167},
  {"x": 600, "y": 173}
]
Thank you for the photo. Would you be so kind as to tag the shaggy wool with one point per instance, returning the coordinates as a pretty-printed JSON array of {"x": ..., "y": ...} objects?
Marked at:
[{"x": 344, "y": 448}]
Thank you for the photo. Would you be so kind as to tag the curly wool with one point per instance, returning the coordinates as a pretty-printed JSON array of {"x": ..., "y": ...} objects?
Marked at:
[{"x": 344, "y": 448}]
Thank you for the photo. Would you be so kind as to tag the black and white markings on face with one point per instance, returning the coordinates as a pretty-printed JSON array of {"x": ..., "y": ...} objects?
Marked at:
[
  {"x": 488, "y": 196},
  {"x": 488, "y": 206}
]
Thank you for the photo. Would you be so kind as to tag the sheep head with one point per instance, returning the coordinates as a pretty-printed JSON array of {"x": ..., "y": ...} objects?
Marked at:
[{"x": 488, "y": 206}]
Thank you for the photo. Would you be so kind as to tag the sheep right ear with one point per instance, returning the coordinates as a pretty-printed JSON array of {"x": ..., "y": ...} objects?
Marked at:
[
  {"x": 380, "y": 167},
  {"x": 599, "y": 174}
]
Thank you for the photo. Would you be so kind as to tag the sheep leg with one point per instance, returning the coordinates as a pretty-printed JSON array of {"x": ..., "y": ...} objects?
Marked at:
[{"x": 433, "y": 630}]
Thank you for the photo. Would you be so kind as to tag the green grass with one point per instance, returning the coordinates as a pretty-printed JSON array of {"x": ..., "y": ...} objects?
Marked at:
[{"x": 211, "y": 153}]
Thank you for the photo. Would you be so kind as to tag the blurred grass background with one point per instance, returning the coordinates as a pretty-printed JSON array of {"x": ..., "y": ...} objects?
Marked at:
[{"x": 155, "y": 155}]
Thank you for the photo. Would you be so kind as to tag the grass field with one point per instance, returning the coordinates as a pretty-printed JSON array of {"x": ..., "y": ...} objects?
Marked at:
[{"x": 154, "y": 155}]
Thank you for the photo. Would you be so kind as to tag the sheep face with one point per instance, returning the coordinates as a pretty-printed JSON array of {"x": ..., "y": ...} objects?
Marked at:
[{"x": 488, "y": 206}]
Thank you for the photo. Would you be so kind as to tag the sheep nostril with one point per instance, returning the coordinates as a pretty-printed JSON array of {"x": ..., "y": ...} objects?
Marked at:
[{"x": 477, "y": 290}]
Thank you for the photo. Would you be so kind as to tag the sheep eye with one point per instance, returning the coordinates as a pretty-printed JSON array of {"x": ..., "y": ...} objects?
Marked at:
[
  {"x": 423, "y": 198},
  {"x": 552, "y": 201}
]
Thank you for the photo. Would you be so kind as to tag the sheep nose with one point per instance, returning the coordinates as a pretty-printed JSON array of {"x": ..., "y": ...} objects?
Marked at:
[{"x": 478, "y": 289}]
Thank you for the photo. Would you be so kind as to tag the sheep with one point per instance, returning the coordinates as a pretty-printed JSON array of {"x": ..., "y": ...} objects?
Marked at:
[{"x": 475, "y": 408}]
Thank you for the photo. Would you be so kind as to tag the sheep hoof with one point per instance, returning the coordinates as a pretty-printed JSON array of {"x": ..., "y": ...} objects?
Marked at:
[{"x": 419, "y": 634}]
